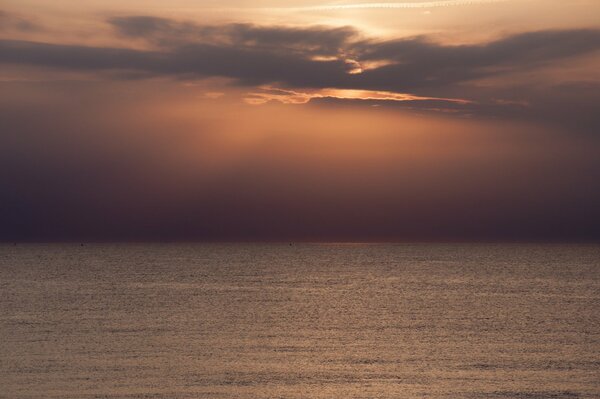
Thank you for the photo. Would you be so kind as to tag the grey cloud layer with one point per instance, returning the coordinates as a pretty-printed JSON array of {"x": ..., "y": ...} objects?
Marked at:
[
  {"x": 161, "y": 31},
  {"x": 258, "y": 55},
  {"x": 323, "y": 57},
  {"x": 249, "y": 66},
  {"x": 418, "y": 63}
]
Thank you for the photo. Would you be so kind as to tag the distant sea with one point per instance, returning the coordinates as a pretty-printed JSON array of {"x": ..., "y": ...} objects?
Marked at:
[{"x": 302, "y": 321}]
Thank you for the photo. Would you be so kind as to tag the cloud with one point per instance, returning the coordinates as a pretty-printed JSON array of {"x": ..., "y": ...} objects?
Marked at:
[
  {"x": 261, "y": 55},
  {"x": 518, "y": 50},
  {"x": 418, "y": 63},
  {"x": 332, "y": 58},
  {"x": 309, "y": 40},
  {"x": 77, "y": 57},
  {"x": 248, "y": 65}
]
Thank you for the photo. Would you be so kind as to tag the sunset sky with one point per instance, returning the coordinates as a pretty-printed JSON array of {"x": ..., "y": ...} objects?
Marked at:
[{"x": 226, "y": 120}]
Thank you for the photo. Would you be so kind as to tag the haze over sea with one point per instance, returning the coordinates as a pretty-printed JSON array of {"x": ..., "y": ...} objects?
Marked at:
[{"x": 301, "y": 321}]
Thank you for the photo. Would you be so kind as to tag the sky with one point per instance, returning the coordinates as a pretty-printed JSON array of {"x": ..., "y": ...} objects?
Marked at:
[{"x": 299, "y": 120}]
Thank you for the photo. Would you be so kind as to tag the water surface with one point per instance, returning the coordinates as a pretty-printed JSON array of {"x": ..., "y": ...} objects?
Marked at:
[{"x": 301, "y": 321}]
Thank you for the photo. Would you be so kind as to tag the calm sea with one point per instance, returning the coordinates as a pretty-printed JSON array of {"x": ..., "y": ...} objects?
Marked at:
[{"x": 301, "y": 321}]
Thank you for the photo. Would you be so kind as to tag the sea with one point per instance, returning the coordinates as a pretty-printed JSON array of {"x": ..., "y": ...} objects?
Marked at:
[{"x": 299, "y": 320}]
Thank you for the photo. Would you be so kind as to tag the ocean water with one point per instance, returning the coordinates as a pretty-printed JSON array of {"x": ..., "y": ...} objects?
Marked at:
[{"x": 302, "y": 321}]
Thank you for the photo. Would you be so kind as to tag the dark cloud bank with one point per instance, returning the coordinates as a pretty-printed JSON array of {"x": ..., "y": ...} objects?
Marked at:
[
  {"x": 323, "y": 57},
  {"x": 258, "y": 55}
]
